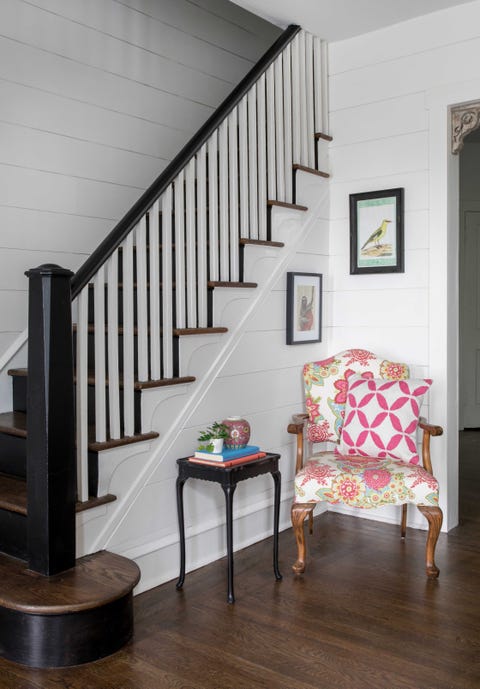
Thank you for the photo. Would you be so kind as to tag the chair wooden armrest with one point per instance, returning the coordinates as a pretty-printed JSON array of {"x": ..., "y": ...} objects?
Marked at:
[
  {"x": 296, "y": 428},
  {"x": 428, "y": 430}
]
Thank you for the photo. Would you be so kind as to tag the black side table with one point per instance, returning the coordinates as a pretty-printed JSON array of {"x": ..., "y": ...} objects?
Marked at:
[{"x": 228, "y": 478}]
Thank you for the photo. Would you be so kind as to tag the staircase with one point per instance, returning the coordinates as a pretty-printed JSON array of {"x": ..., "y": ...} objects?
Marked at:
[{"x": 150, "y": 287}]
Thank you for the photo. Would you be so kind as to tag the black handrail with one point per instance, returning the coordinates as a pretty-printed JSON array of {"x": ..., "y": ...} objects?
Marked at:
[{"x": 136, "y": 212}]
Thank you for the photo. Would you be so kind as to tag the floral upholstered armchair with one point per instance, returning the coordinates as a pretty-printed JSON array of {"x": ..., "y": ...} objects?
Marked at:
[{"x": 370, "y": 409}]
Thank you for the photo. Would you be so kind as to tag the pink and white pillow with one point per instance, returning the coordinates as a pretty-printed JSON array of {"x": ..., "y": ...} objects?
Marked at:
[{"x": 381, "y": 418}]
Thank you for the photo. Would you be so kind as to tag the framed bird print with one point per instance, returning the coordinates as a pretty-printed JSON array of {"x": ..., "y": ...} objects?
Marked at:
[
  {"x": 376, "y": 232},
  {"x": 304, "y": 308}
]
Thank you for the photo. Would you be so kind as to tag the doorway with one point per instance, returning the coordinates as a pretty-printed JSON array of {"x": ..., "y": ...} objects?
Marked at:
[{"x": 469, "y": 282}]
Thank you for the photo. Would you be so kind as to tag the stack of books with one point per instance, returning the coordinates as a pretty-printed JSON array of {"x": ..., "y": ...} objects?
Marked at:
[{"x": 228, "y": 458}]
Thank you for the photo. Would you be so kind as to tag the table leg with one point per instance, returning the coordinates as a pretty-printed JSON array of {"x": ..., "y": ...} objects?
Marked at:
[
  {"x": 276, "y": 518},
  {"x": 181, "y": 528},
  {"x": 229, "y": 491}
]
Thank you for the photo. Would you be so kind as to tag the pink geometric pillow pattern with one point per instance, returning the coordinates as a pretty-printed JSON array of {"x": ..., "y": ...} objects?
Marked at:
[
  {"x": 326, "y": 384},
  {"x": 381, "y": 418}
]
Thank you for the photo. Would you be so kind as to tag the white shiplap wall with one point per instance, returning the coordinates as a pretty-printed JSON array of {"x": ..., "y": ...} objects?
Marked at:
[
  {"x": 389, "y": 97},
  {"x": 95, "y": 99}
]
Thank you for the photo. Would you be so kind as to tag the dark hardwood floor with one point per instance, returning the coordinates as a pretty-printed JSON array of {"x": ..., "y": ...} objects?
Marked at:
[{"x": 364, "y": 616}]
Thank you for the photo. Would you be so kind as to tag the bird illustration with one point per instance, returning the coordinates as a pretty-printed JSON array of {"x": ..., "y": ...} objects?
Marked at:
[{"x": 377, "y": 235}]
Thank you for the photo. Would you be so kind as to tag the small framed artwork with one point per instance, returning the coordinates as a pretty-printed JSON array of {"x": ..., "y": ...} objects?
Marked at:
[
  {"x": 304, "y": 308},
  {"x": 376, "y": 232}
]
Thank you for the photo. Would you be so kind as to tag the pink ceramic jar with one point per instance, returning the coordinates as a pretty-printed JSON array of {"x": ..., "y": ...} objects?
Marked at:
[{"x": 239, "y": 432}]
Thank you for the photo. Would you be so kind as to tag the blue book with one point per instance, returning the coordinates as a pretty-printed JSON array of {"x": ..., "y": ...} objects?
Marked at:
[{"x": 226, "y": 455}]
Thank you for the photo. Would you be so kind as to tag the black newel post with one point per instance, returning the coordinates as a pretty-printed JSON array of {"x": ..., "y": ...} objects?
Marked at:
[{"x": 51, "y": 472}]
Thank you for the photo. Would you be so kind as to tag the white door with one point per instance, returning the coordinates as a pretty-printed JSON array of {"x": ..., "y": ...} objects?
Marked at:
[{"x": 470, "y": 320}]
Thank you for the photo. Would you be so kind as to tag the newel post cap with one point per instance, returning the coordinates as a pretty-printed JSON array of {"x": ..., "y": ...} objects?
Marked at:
[{"x": 49, "y": 270}]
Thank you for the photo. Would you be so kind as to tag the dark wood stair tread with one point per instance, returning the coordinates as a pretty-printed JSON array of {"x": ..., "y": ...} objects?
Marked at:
[
  {"x": 138, "y": 384},
  {"x": 177, "y": 332},
  {"x": 13, "y": 496},
  {"x": 225, "y": 283},
  {"x": 15, "y": 423},
  {"x": 325, "y": 137},
  {"x": 96, "y": 580},
  {"x": 310, "y": 170},
  {"x": 284, "y": 204},
  {"x": 260, "y": 242}
]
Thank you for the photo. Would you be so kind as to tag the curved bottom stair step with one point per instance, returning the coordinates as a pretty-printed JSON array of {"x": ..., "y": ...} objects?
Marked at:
[{"x": 74, "y": 617}]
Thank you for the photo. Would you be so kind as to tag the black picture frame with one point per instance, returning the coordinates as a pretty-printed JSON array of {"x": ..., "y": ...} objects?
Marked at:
[
  {"x": 304, "y": 308},
  {"x": 376, "y": 232}
]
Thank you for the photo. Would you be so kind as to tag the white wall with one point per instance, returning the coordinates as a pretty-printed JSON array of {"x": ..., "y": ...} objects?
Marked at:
[
  {"x": 389, "y": 97},
  {"x": 95, "y": 99}
]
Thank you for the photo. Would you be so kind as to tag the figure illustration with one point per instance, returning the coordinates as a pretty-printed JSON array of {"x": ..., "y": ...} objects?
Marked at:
[{"x": 305, "y": 317}]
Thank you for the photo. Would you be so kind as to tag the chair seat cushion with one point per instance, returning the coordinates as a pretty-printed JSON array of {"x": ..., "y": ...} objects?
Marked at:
[{"x": 365, "y": 482}]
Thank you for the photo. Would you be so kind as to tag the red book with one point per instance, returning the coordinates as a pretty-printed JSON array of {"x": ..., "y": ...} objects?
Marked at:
[{"x": 230, "y": 462}]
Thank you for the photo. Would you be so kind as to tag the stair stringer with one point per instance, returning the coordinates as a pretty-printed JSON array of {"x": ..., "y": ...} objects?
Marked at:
[{"x": 169, "y": 411}]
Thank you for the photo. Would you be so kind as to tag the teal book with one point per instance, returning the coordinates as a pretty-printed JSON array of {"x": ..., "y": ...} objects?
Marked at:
[{"x": 226, "y": 455}]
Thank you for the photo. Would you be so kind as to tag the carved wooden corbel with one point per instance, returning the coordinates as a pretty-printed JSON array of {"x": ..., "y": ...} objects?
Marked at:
[{"x": 465, "y": 119}]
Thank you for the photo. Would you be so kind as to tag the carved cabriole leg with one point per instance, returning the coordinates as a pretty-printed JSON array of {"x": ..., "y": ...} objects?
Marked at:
[
  {"x": 434, "y": 517},
  {"x": 299, "y": 513},
  {"x": 403, "y": 531}
]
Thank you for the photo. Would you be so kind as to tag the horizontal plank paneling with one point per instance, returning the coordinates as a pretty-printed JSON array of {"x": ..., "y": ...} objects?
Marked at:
[
  {"x": 408, "y": 74},
  {"x": 47, "y": 31},
  {"x": 381, "y": 308},
  {"x": 36, "y": 68},
  {"x": 395, "y": 116},
  {"x": 51, "y": 192},
  {"x": 164, "y": 38},
  {"x": 205, "y": 25},
  {"x": 24, "y": 105},
  {"x": 55, "y": 232},
  {"x": 395, "y": 154},
  {"x": 432, "y": 31},
  {"x": 25, "y": 147},
  {"x": 396, "y": 343},
  {"x": 13, "y": 307}
]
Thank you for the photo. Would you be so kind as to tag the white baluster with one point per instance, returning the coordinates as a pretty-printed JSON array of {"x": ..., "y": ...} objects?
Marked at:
[
  {"x": 128, "y": 335},
  {"x": 154, "y": 291},
  {"x": 271, "y": 115},
  {"x": 233, "y": 194},
  {"x": 82, "y": 396},
  {"x": 167, "y": 286},
  {"x": 296, "y": 138},
  {"x": 180, "y": 251},
  {"x": 191, "y": 250},
  {"x": 202, "y": 295},
  {"x": 113, "y": 367},
  {"x": 279, "y": 129},
  {"x": 303, "y": 98},
  {"x": 243, "y": 161},
  {"x": 309, "y": 86},
  {"x": 261, "y": 159},
  {"x": 100, "y": 377},
  {"x": 142, "y": 302},
  {"x": 287, "y": 117},
  {"x": 223, "y": 200},
  {"x": 213, "y": 206},
  {"x": 318, "y": 87},
  {"x": 252, "y": 162}
]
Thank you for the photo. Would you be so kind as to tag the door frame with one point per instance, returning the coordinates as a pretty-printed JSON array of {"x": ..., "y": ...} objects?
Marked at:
[{"x": 444, "y": 228}]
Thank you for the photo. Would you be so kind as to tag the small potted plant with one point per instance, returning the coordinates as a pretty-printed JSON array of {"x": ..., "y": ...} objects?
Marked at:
[{"x": 212, "y": 438}]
